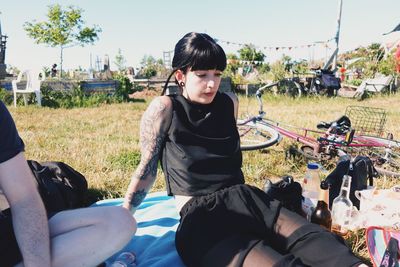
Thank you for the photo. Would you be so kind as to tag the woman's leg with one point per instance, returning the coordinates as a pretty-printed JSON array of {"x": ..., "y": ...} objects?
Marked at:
[
  {"x": 312, "y": 244},
  {"x": 88, "y": 236},
  {"x": 263, "y": 255},
  {"x": 246, "y": 251}
]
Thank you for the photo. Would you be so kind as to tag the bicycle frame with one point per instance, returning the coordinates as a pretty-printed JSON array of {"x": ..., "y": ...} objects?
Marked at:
[{"x": 325, "y": 143}]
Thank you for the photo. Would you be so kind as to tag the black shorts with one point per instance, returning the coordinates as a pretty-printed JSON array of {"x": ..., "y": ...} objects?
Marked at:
[
  {"x": 229, "y": 222},
  {"x": 9, "y": 251}
]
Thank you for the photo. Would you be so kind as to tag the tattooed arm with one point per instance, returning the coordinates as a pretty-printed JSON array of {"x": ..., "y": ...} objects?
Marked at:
[{"x": 154, "y": 125}]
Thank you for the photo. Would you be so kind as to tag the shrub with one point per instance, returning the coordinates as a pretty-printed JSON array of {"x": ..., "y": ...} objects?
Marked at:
[
  {"x": 125, "y": 87},
  {"x": 6, "y": 96},
  {"x": 75, "y": 98}
]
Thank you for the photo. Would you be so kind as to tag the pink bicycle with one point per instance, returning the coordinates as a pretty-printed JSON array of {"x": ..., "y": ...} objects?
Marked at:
[{"x": 257, "y": 132}]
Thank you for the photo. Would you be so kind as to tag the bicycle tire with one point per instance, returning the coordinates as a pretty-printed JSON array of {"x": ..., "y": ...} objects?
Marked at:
[
  {"x": 254, "y": 135},
  {"x": 386, "y": 159},
  {"x": 289, "y": 88}
]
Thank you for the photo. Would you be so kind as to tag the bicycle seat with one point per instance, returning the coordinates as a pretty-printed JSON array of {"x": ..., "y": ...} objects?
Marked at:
[{"x": 339, "y": 126}]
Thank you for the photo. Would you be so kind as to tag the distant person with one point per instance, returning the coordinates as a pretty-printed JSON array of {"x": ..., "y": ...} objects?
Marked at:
[
  {"x": 30, "y": 237},
  {"x": 54, "y": 70},
  {"x": 342, "y": 71},
  {"x": 223, "y": 220},
  {"x": 397, "y": 58},
  {"x": 130, "y": 74}
]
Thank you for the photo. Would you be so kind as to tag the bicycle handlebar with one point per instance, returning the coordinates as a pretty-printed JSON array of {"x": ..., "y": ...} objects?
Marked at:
[{"x": 259, "y": 93}]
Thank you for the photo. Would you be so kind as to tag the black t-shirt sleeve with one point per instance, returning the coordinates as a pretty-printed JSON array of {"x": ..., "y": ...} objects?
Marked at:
[{"x": 10, "y": 142}]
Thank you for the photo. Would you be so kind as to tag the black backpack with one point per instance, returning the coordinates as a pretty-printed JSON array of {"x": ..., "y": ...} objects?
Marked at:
[
  {"x": 60, "y": 186},
  {"x": 362, "y": 172}
]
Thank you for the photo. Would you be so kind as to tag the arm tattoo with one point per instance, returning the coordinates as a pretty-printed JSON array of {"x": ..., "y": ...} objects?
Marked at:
[
  {"x": 137, "y": 198},
  {"x": 151, "y": 141}
]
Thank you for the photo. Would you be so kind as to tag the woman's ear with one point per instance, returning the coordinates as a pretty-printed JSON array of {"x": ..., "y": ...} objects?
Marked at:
[{"x": 179, "y": 76}]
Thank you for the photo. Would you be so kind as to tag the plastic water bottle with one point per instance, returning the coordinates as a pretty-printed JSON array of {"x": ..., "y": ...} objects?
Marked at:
[
  {"x": 311, "y": 188},
  {"x": 125, "y": 259},
  {"x": 311, "y": 182}
]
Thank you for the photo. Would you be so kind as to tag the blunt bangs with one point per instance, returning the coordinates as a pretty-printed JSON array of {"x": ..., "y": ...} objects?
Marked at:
[{"x": 208, "y": 58}]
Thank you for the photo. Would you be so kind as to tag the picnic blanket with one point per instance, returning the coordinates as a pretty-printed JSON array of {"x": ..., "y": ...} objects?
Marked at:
[{"x": 154, "y": 241}]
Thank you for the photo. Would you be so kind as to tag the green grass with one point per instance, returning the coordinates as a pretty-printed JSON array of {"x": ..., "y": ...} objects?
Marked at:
[{"x": 102, "y": 142}]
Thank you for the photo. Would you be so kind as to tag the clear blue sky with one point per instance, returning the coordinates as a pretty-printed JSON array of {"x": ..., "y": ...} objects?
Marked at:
[{"x": 150, "y": 27}]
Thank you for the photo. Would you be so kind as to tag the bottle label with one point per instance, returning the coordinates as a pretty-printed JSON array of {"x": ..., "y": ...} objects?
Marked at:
[{"x": 341, "y": 214}]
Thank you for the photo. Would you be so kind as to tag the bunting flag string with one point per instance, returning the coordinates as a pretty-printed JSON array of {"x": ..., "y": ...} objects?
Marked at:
[{"x": 277, "y": 48}]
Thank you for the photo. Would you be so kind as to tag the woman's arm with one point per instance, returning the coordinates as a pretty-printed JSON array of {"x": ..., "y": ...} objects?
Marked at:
[{"x": 154, "y": 126}]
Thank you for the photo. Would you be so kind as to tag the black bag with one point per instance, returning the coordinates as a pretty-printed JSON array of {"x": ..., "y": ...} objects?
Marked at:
[
  {"x": 362, "y": 172},
  {"x": 330, "y": 81},
  {"x": 60, "y": 186},
  {"x": 288, "y": 192}
]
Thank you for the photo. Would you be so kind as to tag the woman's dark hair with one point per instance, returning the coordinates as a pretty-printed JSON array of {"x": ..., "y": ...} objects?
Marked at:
[{"x": 197, "y": 51}]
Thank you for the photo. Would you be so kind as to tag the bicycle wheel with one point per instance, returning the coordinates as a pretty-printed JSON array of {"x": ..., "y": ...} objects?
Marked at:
[
  {"x": 254, "y": 135},
  {"x": 386, "y": 159},
  {"x": 289, "y": 88}
]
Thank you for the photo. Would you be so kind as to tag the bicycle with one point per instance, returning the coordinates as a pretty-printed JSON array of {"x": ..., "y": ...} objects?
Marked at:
[
  {"x": 287, "y": 86},
  {"x": 257, "y": 132},
  {"x": 321, "y": 82}
]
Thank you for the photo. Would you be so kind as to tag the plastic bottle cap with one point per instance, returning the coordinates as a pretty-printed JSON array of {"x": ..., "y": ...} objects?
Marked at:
[{"x": 313, "y": 166}]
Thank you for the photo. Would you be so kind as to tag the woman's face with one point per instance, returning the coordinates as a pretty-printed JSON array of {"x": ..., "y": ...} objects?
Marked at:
[{"x": 201, "y": 86}]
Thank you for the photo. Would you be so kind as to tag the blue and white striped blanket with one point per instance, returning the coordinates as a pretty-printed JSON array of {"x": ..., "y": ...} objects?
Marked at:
[{"x": 154, "y": 241}]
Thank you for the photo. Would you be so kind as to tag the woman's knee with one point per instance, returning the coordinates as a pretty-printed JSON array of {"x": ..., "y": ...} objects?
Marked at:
[{"x": 121, "y": 221}]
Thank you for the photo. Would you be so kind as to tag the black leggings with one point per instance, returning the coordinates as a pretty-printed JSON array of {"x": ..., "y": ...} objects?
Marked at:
[{"x": 225, "y": 227}]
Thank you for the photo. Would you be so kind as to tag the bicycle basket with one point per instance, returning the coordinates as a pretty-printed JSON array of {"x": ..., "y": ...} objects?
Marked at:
[{"x": 367, "y": 120}]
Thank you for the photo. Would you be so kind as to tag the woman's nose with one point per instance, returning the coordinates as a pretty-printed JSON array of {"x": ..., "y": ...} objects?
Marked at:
[{"x": 210, "y": 83}]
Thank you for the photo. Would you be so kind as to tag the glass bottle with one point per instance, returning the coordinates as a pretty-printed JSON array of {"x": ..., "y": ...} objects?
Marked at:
[
  {"x": 342, "y": 207},
  {"x": 321, "y": 214}
]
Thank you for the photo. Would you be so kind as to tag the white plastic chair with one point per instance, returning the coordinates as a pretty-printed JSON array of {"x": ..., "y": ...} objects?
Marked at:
[
  {"x": 374, "y": 85},
  {"x": 33, "y": 81}
]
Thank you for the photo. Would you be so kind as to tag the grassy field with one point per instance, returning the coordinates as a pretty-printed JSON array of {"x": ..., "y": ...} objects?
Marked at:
[{"x": 102, "y": 142}]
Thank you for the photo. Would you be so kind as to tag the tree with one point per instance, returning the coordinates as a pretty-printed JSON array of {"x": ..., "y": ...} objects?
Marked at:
[
  {"x": 249, "y": 53},
  {"x": 151, "y": 66},
  {"x": 64, "y": 29},
  {"x": 120, "y": 61}
]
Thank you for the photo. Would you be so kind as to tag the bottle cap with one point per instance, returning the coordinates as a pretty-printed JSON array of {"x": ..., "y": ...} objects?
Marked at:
[{"x": 313, "y": 166}]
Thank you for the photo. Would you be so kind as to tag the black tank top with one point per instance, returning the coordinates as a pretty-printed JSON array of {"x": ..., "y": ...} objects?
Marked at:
[{"x": 202, "y": 148}]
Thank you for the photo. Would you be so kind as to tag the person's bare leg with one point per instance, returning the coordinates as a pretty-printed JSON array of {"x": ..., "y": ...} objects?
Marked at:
[{"x": 87, "y": 237}]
